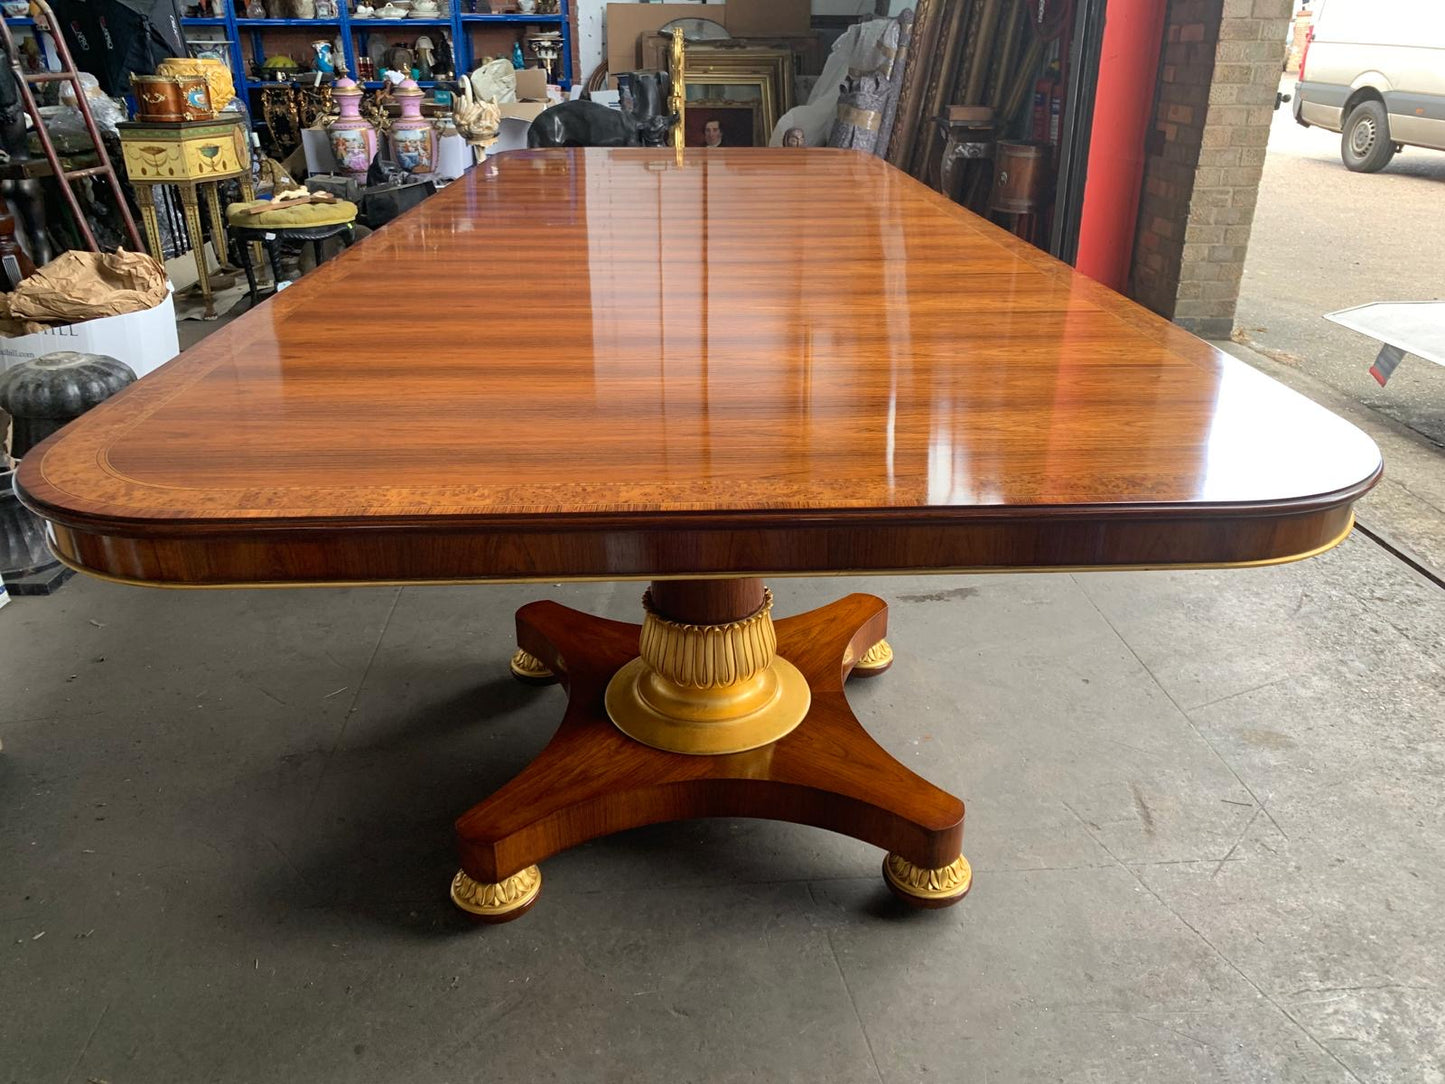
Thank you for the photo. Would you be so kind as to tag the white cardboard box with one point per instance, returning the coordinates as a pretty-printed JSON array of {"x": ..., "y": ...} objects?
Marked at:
[
  {"x": 143, "y": 340},
  {"x": 320, "y": 158}
]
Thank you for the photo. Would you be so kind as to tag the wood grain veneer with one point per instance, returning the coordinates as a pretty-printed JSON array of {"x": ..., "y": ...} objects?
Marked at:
[{"x": 601, "y": 364}]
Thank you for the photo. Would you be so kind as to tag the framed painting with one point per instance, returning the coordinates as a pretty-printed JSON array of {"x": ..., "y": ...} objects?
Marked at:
[
  {"x": 715, "y": 122},
  {"x": 741, "y": 74}
]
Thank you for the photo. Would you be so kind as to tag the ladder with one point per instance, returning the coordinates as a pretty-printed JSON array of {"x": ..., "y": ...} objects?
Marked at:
[{"x": 45, "y": 21}]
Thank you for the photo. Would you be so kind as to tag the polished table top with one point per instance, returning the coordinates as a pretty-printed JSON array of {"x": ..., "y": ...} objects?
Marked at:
[{"x": 605, "y": 364}]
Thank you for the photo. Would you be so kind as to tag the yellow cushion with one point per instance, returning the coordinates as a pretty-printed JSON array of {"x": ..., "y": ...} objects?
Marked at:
[{"x": 302, "y": 214}]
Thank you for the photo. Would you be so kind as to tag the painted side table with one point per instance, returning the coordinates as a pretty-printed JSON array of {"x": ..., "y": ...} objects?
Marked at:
[{"x": 190, "y": 155}]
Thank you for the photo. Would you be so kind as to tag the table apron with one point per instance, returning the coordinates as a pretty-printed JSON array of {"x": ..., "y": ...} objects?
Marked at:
[{"x": 254, "y": 557}]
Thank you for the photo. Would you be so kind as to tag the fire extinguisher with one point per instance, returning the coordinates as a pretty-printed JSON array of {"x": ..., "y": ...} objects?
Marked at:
[
  {"x": 1048, "y": 106},
  {"x": 1043, "y": 89},
  {"x": 1056, "y": 109}
]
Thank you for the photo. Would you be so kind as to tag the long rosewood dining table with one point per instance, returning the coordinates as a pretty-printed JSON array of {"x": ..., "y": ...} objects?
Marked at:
[{"x": 703, "y": 372}]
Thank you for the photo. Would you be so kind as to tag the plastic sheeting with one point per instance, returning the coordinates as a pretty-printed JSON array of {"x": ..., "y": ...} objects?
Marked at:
[
  {"x": 495, "y": 81},
  {"x": 113, "y": 39},
  {"x": 856, "y": 49}
]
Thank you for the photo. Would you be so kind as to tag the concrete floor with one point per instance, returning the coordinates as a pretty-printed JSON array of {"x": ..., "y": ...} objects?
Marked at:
[
  {"x": 1325, "y": 239},
  {"x": 1204, "y": 817}
]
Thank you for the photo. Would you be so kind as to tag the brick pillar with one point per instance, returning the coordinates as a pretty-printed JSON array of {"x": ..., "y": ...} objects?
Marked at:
[
  {"x": 1218, "y": 77},
  {"x": 1181, "y": 103}
]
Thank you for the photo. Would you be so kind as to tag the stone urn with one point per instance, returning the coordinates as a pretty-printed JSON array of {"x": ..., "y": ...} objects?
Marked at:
[
  {"x": 44, "y": 393},
  {"x": 353, "y": 137},
  {"x": 23, "y": 548},
  {"x": 413, "y": 139}
]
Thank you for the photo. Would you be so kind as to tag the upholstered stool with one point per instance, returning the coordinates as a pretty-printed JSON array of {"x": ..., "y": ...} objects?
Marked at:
[{"x": 293, "y": 226}]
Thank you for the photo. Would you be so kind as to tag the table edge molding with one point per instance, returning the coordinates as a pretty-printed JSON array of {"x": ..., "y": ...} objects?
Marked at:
[{"x": 353, "y": 558}]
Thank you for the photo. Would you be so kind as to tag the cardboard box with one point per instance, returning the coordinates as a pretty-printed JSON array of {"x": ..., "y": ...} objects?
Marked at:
[
  {"x": 143, "y": 340},
  {"x": 768, "y": 18},
  {"x": 531, "y": 85},
  {"x": 527, "y": 111},
  {"x": 627, "y": 22},
  {"x": 320, "y": 158},
  {"x": 511, "y": 137},
  {"x": 531, "y": 96}
]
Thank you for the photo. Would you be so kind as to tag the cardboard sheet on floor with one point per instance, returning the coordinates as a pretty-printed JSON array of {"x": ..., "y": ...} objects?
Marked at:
[{"x": 227, "y": 289}]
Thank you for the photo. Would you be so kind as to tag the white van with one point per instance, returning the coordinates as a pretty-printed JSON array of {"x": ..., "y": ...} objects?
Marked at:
[{"x": 1374, "y": 70}]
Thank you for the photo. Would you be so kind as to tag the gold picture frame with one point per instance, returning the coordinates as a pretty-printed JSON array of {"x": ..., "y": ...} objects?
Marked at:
[{"x": 768, "y": 73}]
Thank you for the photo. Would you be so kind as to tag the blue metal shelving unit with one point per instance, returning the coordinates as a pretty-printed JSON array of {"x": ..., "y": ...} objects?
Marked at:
[
  {"x": 461, "y": 38},
  {"x": 349, "y": 28},
  {"x": 287, "y": 22},
  {"x": 361, "y": 25},
  {"x": 227, "y": 23},
  {"x": 511, "y": 18},
  {"x": 47, "y": 51}
]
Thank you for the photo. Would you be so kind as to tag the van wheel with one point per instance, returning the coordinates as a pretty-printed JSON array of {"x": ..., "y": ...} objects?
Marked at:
[{"x": 1365, "y": 144}]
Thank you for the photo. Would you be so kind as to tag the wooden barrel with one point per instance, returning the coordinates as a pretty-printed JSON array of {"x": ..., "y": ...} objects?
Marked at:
[{"x": 1021, "y": 179}]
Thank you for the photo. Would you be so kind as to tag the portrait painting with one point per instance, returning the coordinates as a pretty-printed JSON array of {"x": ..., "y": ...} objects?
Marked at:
[{"x": 722, "y": 124}]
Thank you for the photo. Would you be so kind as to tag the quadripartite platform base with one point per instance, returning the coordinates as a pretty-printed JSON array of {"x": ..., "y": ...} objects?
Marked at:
[{"x": 592, "y": 779}]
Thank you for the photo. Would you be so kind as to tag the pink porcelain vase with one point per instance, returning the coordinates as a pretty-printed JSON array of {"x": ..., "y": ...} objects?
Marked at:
[
  {"x": 413, "y": 139},
  {"x": 353, "y": 137}
]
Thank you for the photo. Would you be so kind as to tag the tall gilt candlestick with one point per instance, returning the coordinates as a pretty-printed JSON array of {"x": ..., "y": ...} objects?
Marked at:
[{"x": 677, "y": 103}]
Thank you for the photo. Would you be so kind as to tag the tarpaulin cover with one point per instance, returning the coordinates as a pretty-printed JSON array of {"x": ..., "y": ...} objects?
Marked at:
[{"x": 112, "y": 39}]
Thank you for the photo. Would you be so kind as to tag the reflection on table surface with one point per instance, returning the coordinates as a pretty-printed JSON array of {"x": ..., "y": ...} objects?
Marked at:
[{"x": 570, "y": 330}]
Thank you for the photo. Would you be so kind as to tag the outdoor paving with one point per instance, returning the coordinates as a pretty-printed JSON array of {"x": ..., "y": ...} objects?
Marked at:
[
  {"x": 1325, "y": 239},
  {"x": 1204, "y": 816}
]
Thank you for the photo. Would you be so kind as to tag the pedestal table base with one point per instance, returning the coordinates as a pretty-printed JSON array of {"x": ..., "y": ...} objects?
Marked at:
[{"x": 592, "y": 779}]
